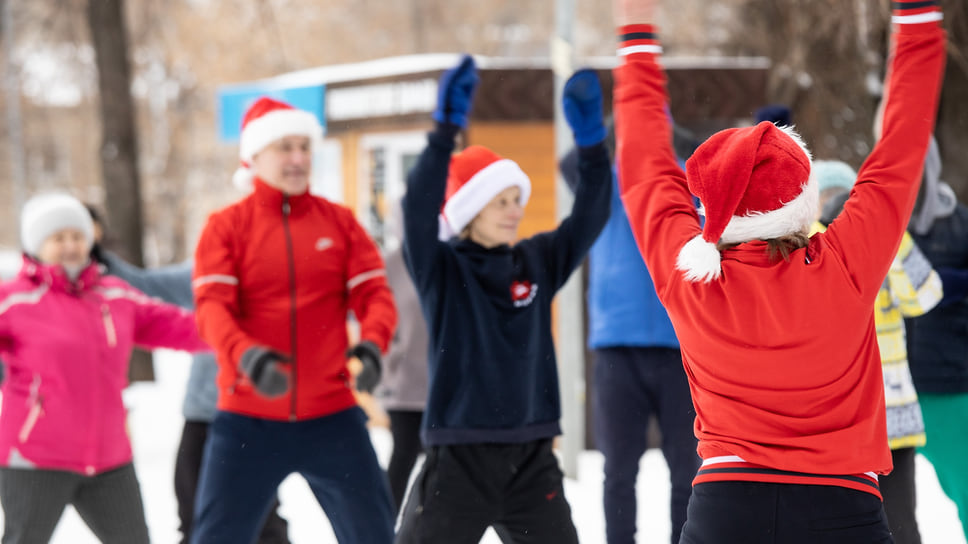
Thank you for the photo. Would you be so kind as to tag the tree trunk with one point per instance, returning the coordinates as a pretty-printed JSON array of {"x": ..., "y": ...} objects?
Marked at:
[
  {"x": 952, "y": 130},
  {"x": 119, "y": 144}
]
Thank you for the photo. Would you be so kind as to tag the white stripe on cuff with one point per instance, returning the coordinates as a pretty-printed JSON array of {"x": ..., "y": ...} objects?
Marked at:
[
  {"x": 214, "y": 278},
  {"x": 648, "y": 48},
  {"x": 365, "y": 276},
  {"x": 918, "y": 18}
]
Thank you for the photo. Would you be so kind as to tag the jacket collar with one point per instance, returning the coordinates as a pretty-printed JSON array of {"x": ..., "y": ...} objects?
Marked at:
[
  {"x": 54, "y": 275},
  {"x": 269, "y": 196}
]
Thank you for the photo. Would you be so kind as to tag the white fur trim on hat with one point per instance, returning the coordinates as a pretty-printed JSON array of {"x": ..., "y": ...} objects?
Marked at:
[
  {"x": 793, "y": 216},
  {"x": 464, "y": 205},
  {"x": 274, "y": 125},
  {"x": 699, "y": 260},
  {"x": 259, "y": 133},
  {"x": 44, "y": 215}
]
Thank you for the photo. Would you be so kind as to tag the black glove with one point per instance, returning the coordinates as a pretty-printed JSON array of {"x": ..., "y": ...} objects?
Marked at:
[
  {"x": 369, "y": 354},
  {"x": 264, "y": 368}
]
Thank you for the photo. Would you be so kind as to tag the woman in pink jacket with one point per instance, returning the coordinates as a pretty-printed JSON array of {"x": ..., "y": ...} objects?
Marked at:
[{"x": 66, "y": 333}]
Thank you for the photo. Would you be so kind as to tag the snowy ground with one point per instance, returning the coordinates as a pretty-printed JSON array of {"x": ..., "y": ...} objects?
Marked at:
[{"x": 156, "y": 427}]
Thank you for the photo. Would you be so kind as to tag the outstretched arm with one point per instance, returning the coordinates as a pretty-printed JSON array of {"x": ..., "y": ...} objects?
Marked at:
[
  {"x": 172, "y": 284},
  {"x": 653, "y": 186}
]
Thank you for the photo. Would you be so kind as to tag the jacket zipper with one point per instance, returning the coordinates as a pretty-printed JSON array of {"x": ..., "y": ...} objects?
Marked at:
[
  {"x": 36, "y": 410},
  {"x": 291, "y": 260},
  {"x": 109, "y": 330}
]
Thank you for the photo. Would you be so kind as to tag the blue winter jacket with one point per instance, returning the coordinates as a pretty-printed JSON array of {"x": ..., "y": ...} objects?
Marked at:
[
  {"x": 623, "y": 309},
  {"x": 173, "y": 284}
]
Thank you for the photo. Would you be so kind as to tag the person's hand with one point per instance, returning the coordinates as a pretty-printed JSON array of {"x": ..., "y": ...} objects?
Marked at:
[
  {"x": 455, "y": 93},
  {"x": 582, "y": 103},
  {"x": 266, "y": 370},
  {"x": 634, "y": 12},
  {"x": 370, "y": 368}
]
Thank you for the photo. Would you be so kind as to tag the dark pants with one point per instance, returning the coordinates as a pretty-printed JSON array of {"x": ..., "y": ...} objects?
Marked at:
[
  {"x": 109, "y": 503},
  {"x": 632, "y": 384},
  {"x": 900, "y": 497},
  {"x": 247, "y": 458},
  {"x": 463, "y": 489},
  {"x": 188, "y": 464},
  {"x": 765, "y": 513},
  {"x": 405, "y": 428}
]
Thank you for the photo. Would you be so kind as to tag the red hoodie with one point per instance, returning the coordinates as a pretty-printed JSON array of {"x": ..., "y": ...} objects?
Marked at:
[
  {"x": 782, "y": 357},
  {"x": 282, "y": 272}
]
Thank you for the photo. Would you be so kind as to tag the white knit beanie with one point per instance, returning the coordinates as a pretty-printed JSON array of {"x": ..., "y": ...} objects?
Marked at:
[{"x": 45, "y": 214}]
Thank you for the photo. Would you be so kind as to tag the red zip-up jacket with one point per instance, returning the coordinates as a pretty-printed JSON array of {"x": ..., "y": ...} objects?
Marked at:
[
  {"x": 282, "y": 272},
  {"x": 782, "y": 357}
]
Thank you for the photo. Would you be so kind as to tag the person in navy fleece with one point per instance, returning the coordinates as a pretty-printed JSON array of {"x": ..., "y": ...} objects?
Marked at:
[{"x": 493, "y": 404}]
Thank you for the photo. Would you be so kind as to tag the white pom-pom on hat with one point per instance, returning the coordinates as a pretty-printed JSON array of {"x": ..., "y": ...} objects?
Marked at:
[{"x": 700, "y": 261}]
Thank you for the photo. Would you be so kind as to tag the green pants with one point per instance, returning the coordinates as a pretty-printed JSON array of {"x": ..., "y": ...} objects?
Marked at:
[{"x": 946, "y": 424}]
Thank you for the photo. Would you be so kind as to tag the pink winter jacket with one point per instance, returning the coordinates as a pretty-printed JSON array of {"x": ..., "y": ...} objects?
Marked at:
[{"x": 66, "y": 347}]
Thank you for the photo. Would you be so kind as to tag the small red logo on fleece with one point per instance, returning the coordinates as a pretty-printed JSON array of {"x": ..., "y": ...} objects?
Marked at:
[
  {"x": 523, "y": 292},
  {"x": 551, "y": 495},
  {"x": 520, "y": 290}
]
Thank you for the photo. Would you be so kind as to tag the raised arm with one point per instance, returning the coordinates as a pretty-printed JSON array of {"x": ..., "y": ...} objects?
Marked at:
[
  {"x": 427, "y": 181},
  {"x": 653, "y": 186},
  {"x": 567, "y": 245},
  {"x": 869, "y": 230}
]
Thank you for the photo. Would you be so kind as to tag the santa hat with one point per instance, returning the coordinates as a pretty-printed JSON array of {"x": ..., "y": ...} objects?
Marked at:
[
  {"x": 476, "y": 176},
  {"x": 43, "y": 215},
  {"x": 266, "y": 121},
  {"x": 754, "y": 183}
]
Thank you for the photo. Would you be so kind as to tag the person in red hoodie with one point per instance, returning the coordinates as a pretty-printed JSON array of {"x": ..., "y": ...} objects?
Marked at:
[
  {"x": 275, "y": 276},
  {"x": 776, "y": 328}
]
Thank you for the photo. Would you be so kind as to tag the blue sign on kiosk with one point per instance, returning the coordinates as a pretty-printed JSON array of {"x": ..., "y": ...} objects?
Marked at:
[{"x": 233, "y": 101}]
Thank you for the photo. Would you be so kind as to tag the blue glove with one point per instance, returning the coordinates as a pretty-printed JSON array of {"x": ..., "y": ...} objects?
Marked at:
[
  {"x": 455, "y": 93},
  {"x": 582, "y": 103}
]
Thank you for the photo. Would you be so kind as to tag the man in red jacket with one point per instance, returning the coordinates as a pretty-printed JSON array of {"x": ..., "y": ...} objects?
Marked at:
[{"x": 275, "y": 275}]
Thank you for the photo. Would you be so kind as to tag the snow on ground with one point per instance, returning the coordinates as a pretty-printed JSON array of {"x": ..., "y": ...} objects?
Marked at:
[{"x": 155, "y": 420}]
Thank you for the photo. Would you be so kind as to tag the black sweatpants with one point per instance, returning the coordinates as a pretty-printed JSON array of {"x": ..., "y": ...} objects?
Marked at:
[
  {"x": 463, "y": 489},
  {"x": 405, "y": 429},
  {"x": 109, "y": 503},
  {"x": 900, "y": 497},
  {"x": 188, "y": 464},
  {"x": 766, "y": 513}
]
